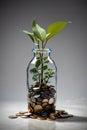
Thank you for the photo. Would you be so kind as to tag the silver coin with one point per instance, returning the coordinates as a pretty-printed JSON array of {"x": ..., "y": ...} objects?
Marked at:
[{"x": 36, "y": 96}]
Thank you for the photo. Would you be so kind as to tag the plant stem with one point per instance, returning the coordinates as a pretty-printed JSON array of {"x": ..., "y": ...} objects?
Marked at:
[
  {"x": 38, "y": 46},
  {"x": 45, "y": 44},
  {"x": 42, "y": 64}
]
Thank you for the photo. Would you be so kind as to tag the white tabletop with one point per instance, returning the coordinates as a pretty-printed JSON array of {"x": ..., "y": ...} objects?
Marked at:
[{"x": 78, "y": 122}]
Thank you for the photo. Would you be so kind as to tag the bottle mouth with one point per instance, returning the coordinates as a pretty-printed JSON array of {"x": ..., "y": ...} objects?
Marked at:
[{"x": 46, "y": 50}]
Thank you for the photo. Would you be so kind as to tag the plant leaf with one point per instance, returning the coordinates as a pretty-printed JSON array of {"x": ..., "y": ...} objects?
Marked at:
[
  {"x": 44, "y": 67},
  {"x": 55, "y": 28},
  {"x": 39, "y": 32},
  {"x": 47, "y": 61},
  {"x": 38, "y": 62},
  {"x": 45, "y": 58},
  {"x": 35, "y": 77},
  {"x": 34, "y": 70},
  {"x": 31, "y": 35}
]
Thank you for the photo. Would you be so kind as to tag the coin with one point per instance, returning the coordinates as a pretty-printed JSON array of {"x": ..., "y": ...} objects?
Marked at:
[
  {"x": 36, "y": 88},
  {"x": 52, "y": 116},
  {"x": 23, "y": 112},
  {"x": 18, "y": 114},
  {"x": 13, "y": 117},
  {"x": 44, "y": 105},
  {"x": 33, "y": 104},
  {"x": 38, "y": 108},
  {"x": 48, "y": 107},
  {"x": 45, "y": 100},
  {"x": 36, "y": 96},
  {"x": 65, "y": 116},
  {"x": 24, "y": 116},
  {"x": 27, "y": 114},
  {"x": 51, "y": 100}
]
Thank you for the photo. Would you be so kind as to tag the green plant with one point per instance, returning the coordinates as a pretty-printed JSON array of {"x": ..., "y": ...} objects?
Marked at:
[{"x": 40, "y": 36}]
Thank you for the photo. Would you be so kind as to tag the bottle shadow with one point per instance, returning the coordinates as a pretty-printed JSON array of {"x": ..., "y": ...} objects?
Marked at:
[{"x": 73, "y": 119}]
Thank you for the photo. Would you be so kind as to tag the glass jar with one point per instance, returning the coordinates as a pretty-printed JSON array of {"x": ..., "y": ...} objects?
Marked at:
[{"x": 42, "y": 83}]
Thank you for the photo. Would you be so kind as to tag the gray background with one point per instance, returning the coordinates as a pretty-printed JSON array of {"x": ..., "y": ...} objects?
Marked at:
[{"x": 69, "y": 47}]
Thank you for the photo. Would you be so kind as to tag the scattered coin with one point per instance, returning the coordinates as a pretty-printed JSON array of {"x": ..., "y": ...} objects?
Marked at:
[
  {"x": 23, "y": 112},
  {"x": 65, "y": 116},
  {"x": 18, "y": 114},
  {"x": 13, "y": 117},
  {"x": 24, "y": 116},
  {"x": 27, "y": 114},
  {"x": 52, "y": 116}
]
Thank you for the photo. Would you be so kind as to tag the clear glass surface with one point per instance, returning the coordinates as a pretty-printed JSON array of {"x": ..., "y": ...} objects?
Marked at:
[{"x": 42, "y": 82}]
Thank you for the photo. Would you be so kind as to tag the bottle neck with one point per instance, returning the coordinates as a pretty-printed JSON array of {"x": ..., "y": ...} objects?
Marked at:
[{"x": 42, "y": 52}]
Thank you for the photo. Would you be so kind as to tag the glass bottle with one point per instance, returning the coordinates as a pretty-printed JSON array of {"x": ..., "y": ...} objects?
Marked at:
[{"x": 42, "y": 83}]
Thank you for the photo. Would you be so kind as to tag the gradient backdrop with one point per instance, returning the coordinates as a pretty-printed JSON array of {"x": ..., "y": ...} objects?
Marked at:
[{"x": 69, "y": 47}]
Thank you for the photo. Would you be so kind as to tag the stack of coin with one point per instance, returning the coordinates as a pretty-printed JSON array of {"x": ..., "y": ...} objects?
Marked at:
[{"x": 41, "y": 99}]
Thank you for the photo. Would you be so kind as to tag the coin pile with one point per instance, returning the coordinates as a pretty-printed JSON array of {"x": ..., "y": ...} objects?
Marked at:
[
  {"x": 41, "y": 104},
  {"x": 58, "y": 114},
  {"x": 41, "y": 99}
]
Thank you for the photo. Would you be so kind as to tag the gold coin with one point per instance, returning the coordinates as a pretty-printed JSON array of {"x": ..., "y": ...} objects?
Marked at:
[
  {"x": 51, "y": 100},
  {"x": 52, "y": 116},
  {"x": 44, "y": 104},
  {"x": 38, "y": 108},
  {"x": 45, "y": 100}
]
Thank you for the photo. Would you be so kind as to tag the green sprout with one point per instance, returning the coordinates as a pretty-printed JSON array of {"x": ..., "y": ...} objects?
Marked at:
[{"x": 40, "y": 36}]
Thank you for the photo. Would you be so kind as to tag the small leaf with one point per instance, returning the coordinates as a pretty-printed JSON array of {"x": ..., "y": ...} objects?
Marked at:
[
  {"x": 31, "y": 35},
  {"x": 38, "y": 62},
  {"x": 45, "y": 58},
  {"x": 34, "y": 70},
  {"x": 55, "y": 28},
  {"x": 44, "y": 67},
  {"x": 46, "y": 73},
  {"x": 47, "y": 61},
  {"x": 35, "y": 77},
  {"x": 39, "y": 32}
]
